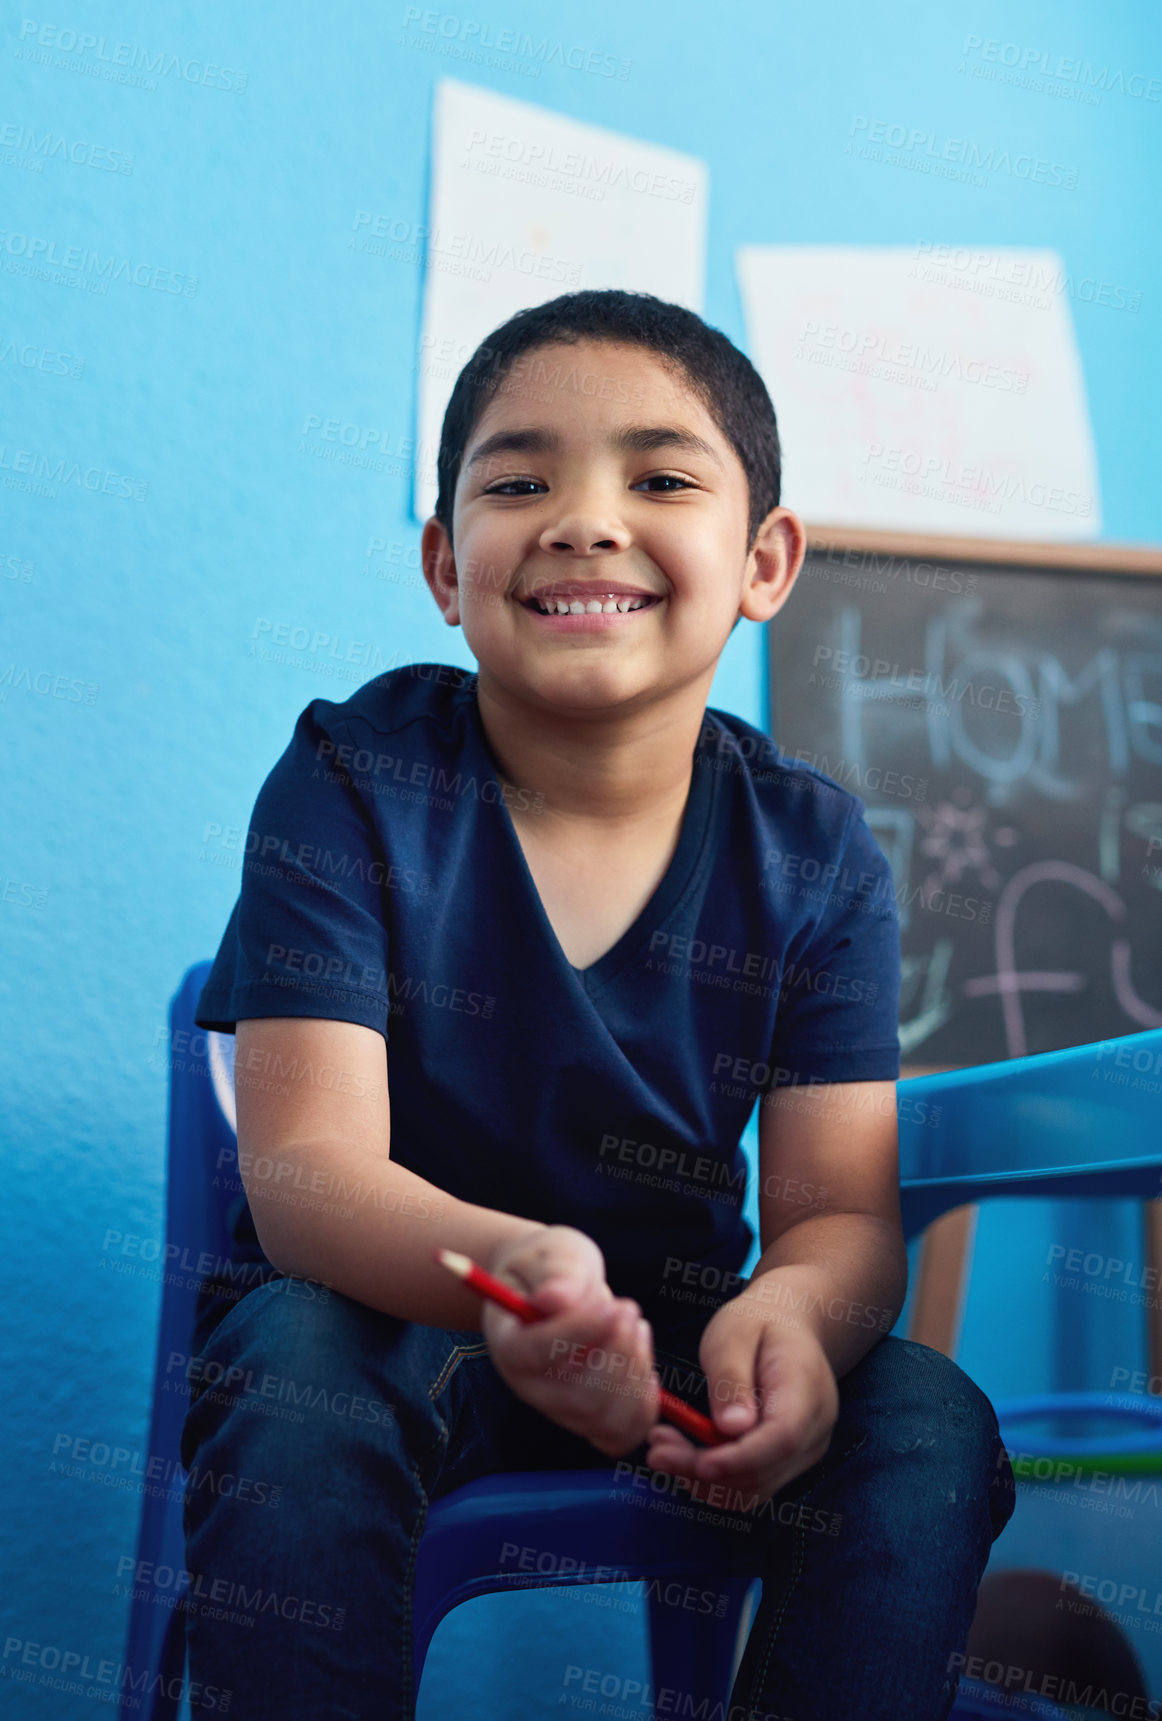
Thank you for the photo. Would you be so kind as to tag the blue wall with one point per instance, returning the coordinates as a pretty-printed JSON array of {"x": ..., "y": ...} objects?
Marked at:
[{"x": 134, "y": 604}]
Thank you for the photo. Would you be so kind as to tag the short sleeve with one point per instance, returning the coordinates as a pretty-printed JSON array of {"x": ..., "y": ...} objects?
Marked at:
[
  {"x": 838, "y": 1012},
  {"x": 308, "y": 933}
]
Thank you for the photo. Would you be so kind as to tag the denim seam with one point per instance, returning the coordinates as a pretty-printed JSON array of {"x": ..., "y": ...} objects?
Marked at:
[
  {"x": 800, "y": 1536},
  {"x": 453, "y": 1362},
  {"x": 409, "y": 1631},
  {"x": 437, "y": 1387}
]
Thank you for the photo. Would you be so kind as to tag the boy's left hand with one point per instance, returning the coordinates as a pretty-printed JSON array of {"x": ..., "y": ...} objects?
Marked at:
[{"x": 772, "y": 1390}]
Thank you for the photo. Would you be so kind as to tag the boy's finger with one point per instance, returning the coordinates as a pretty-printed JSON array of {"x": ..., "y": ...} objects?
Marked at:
[
  {"x": 566, "y": 1291},
  {"x": 766, "y": 1447},
  {"x": 770, "y": 1443},
  {"x": 679, "y": 1458},
  {"x": 600, "y": 1329},
  {"x": 765, "y": 1480},
  {"x": 670, "y": 1449},
  {"x": 563, "y": 1338},
  {"x": 620, "y": 1352},
  {"x": 728, "y": 1360},
  {"x": 577, "y": 1316}
]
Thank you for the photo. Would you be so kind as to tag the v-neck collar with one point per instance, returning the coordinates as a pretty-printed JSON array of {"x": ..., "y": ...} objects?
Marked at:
[{"x": 671, "y": 888}]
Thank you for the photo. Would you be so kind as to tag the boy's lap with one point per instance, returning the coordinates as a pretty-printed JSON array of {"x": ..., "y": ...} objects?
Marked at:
[
  {"x": 287, "y": 1321},
  {"x": 902, "y": 1393}
]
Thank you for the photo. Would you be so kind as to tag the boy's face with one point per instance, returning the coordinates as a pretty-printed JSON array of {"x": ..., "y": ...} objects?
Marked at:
[{"x": 580, "y": 503}]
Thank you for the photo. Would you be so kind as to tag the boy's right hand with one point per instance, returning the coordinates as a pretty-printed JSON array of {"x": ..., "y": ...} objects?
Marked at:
[{"x": 562, "y": 1272}]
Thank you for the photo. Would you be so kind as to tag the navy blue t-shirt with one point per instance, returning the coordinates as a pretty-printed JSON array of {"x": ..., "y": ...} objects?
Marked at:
[{"x": 384, "y": 883}]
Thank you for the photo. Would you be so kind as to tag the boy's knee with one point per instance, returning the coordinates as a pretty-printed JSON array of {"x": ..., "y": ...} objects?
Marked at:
[
  {"x": 940, "y": 1426},
  {"x": 959, "y": 1395},
  {"x": 933, "y": 1371},
  {"x": 930, "y": 1388}
]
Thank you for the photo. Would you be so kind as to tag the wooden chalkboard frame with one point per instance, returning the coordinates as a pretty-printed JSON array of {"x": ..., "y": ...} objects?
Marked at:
[
  {"x": 946, "y": 1249},
  {"x": 1085, "y": 558}
]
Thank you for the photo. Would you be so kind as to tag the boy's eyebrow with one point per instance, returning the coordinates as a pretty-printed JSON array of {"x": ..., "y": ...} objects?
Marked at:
[{"x": 639, "y": 439}]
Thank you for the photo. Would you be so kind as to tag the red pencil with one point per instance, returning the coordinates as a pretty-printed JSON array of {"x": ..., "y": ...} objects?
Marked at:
[{"x": 486, "y": 1284}]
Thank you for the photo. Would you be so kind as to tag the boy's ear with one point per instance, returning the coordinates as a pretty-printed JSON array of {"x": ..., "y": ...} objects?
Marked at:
[
  {"x": 439, "y": 565},
  {"x": 775, "y": 559}
]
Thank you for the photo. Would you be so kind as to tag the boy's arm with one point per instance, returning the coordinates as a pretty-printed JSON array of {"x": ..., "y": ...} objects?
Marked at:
[
  {"x": 314, "y": 1140},
  {"x": 314, "y": 1137},
  {"x": 833, "y": 1254},
  {"x": 834, "y": 1260},
  {"x": 829, "y": 1284}
]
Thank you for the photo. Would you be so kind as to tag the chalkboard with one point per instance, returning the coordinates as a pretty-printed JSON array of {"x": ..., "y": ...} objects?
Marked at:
[{"x": 998, "y": 709}]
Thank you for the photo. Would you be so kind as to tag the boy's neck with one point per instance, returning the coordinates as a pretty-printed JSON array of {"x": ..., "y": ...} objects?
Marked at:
[{"x": 595, "y": 775}]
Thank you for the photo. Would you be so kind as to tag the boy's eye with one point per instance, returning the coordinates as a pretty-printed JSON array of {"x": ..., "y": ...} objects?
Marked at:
[
  {"x": 668, "y": 478},
  {"x": 508, "y": 487},
  {"x": 502, "y": 489}
]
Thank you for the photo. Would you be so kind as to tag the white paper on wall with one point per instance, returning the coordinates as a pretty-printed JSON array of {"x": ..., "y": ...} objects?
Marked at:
[
  {"x": 527, "y": 204},
  {"x": 925, "y": 387}
]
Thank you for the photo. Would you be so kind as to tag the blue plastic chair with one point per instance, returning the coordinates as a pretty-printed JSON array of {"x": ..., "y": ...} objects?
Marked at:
[
  {"x": 1137, "y": 1447},
  {"x": 204, "y": 1217},
  {"x": 1062, "y": 1123},
  {"x": 1025, "y": 1127}
]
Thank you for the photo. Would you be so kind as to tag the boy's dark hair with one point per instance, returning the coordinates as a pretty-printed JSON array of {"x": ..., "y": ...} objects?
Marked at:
[{"x": 724, "y": 380}]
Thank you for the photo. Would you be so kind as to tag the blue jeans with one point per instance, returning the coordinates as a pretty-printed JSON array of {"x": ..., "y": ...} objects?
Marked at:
[{"x": 319, "y": 1429}]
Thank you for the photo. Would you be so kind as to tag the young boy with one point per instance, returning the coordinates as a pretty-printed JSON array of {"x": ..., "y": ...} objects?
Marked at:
[{"x": 583, "y": 922}]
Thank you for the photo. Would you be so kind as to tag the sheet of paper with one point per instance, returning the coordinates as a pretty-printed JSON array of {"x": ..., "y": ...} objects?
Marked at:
[
  {"x": 527, "y": 204},
  {"x": 929, "y": 387}
]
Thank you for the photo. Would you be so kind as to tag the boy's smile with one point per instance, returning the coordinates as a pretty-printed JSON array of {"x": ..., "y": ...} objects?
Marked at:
[{"x": 575, "y": 604}]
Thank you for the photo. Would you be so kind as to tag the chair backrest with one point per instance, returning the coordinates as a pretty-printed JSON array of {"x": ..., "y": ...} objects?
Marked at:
[
  {"x": 210, "y": 1258},
  {"x": 207, "y": 1215},
  {"x": 1079, "y": 1121}
]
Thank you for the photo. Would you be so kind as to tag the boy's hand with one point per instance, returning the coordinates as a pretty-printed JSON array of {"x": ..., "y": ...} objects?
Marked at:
[
  {"x": 612, "y": 1401},
  {"x": 772, "y": 1387}
]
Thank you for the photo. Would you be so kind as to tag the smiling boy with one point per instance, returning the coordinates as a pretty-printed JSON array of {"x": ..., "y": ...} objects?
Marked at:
[{"x": 510, "y": 936}]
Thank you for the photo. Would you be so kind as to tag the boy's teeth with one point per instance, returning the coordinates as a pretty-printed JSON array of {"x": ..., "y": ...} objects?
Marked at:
[{"x": 575, "y": 606}]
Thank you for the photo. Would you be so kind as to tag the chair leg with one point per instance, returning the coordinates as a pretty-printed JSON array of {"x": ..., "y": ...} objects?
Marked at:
[{"x": 695, "y": 1656}]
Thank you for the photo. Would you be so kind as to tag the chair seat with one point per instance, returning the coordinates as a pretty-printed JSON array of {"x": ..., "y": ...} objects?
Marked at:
[{"x": 524, "y": 1529}]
